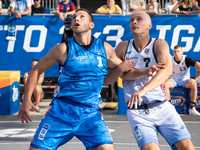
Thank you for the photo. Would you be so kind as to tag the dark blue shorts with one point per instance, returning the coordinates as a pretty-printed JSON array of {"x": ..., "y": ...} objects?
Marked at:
[{"x": 63, "y": 121}]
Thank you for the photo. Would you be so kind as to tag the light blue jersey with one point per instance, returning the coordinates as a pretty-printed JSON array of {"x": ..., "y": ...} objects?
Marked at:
[
  {"x": 74, "y": 110},
  {"x": 83, "y": 73}
]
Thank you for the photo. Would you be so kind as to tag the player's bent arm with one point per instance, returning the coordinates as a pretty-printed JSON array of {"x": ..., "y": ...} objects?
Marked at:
[
  {"x": 56, "y": 54},
  {"x": 162, "y": 53},
  {"x": 133, "y": 73},
  {"x": 197, "y": 66},
  {"x": 116, "y": 66}
]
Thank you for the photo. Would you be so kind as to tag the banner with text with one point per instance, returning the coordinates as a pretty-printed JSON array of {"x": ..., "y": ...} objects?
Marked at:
[{"x": 36, "y": 35}]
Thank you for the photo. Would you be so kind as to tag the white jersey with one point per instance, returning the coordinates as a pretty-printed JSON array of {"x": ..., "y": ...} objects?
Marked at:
[
  {"x": 180, "y": 71},
  {"x": 142, "y": 60}
]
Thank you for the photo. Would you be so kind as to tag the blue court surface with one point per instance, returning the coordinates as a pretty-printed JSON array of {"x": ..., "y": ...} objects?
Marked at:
[{"x": 17, "y": 136}]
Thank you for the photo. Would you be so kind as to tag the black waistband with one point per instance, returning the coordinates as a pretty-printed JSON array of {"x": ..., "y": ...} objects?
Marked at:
[{"x": 146, "y": 106}]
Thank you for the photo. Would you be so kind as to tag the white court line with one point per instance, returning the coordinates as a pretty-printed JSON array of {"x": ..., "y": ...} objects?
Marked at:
[
  {"x": 19, "y": 121},
  {"x": 128, "y": 122},
  {"x": 125, "y": 144},
  {"x": 105, "y": 121},
  {"x": 191, "y": 121}
]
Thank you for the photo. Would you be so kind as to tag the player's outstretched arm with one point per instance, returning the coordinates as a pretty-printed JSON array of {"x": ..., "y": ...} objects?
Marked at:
[
  {"x": 116, "y": 66},
  {"x": 56, "y": 54}
]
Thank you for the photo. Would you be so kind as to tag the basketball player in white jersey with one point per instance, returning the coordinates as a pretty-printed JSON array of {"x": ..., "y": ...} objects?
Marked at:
[
  {"x": 148, "y": 111},
  {"x": 181, "y": 77}
]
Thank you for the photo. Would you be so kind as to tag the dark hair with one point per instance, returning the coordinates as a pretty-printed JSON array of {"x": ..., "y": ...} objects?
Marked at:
[
  {"x": 35, "y": 60},
  {"x": 87, "y": 11},
  {"x": 3, "y": 1},
  {"x": 177, "y": 46}
]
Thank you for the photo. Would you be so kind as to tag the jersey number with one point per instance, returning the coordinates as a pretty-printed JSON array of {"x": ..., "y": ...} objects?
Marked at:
[
  {"x": 182, "y": 68},
  {"x": 147, "y": 60},
  {"x": 100, "y": 62}
]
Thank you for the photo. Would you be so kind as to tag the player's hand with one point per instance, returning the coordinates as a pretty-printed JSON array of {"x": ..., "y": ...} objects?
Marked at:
[
  {"x": 24, "y": 111},
  {"x": 126, "y": 65},
  {"x": 154, "y": 68},
  {"x": 135, "y": 98}
]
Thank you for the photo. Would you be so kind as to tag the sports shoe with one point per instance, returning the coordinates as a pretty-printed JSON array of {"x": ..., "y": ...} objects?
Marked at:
[
  {"x": 38, "y": 108},
  {"x": 194, "y": 112}
]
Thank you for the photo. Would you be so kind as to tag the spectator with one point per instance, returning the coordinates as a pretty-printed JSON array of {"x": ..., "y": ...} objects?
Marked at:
[
  {"x": 4, "y": 6},
  {"x": 150, "y": 7},
  {"x": 137, "y": 5},
  {"x": 156, "y": 8},
  {"x": 76, "y": 3},
  {"x": 185, "y": 7},
  {"x": 125, "y": 6},
  {"x": 181, "y": 76},
  {"x": 37, "y": 8},
  {"x": 170, "y": 5},
  {"x": 110, "y": 8},
  {"x": 65, "y": 8},
  {"x": 20, "y": 8},
  {"x": 38, "y": 93}
]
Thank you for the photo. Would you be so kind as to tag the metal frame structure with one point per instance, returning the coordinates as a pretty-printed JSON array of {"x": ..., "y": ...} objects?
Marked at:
[{"x": 52, "y": 4}]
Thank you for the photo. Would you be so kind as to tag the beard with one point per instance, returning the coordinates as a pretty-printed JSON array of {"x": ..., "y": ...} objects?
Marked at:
[{"x": 80, "y": 30}]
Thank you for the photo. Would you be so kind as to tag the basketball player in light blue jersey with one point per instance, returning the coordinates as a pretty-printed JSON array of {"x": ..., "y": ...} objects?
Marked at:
[
  {"x": 74, "y": 111},
  {"x": 148, "y": 111}
]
